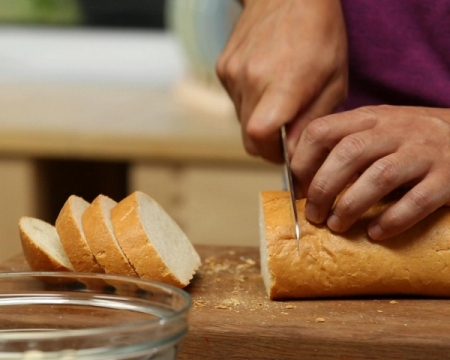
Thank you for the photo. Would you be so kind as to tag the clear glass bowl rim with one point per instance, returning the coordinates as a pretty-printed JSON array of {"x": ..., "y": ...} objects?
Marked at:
[{"x": 129, "y": 327}]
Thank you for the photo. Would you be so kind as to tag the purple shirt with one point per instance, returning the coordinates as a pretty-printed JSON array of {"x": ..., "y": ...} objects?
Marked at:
[{"x": 399, "y": 52}]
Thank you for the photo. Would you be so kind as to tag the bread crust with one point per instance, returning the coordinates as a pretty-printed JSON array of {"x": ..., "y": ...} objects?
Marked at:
[
  {"x": 103, "y": 244},
  {"x": 415, "y": 262},
  {"x": 37, "y": 258},
  {"x": 73, "y": 239},
  {"x": 136, "y": 246}
]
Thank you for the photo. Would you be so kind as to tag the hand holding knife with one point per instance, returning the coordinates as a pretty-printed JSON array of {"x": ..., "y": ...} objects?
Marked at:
[{"x": 290, "y": 185}]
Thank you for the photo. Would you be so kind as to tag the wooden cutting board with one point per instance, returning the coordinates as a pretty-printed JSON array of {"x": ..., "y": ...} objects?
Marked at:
[{"x": 232, "y": 318}]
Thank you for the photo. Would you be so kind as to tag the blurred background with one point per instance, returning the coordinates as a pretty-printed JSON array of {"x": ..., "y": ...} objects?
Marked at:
[{"x": 112, "y": 96}]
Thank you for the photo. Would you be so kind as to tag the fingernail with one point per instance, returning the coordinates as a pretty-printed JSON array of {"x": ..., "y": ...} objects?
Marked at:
[
  {"x": 334, "y": 223},
  {"x": 375, "y": 232},
  {"x": 312, "y": 213}
]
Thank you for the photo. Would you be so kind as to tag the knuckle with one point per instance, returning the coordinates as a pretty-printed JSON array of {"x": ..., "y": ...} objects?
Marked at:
[
  {"x": 391, "y": 222},
  {"x": 220, "y": 67},
  {"x": 350, "y": 148},
  {"x": 385, "y": 173},
  {"x": 252, "y": 73},
  {"x": 317, "y": 131},
  {"x": 345, "y": 207},
  {"x": 367, "y": 111},
  {"x": 421, "y": 198},
  {"x": 318, "y": 190},
  {"x": 233, "y": 68},
  {"x": 228, "y": 68}
]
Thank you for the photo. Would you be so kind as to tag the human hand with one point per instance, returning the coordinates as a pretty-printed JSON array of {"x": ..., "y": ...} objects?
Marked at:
[
  {"x": 286, "y": 61},
  {"x": 383, "y": 148}
]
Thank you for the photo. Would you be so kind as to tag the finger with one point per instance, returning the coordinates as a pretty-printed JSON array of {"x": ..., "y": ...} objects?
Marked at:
[
  {"x": 317, "y": 140},
  {"x": 277, "y": 106},
  {"x": 382, "y": 177},
  {"x": 415, "y": 205},
  {"x": 329, "y": 99},
  {"x": 352, "y": 155},
  {"x": 249, "y": 101}
]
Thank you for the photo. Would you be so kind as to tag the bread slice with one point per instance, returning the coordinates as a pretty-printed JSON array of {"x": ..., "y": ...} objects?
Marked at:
[
  {"x": 416, "y": 262},
  {"x": 41, "y": 246},
  {"x": 152, "y": 241},
  {"x": 70, "y": 230},
  {"x": 100, "y": 236}
]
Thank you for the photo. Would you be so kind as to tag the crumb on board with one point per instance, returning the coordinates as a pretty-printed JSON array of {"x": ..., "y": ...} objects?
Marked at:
[
  {"x": 393, "y": 302},
  {"x": 250, "y": 262},
  {"x": 228, "y": 304},
  {"x": 289, "y": 307},
  {"x": 199, "y": 303},
  {"x": 320, "y": 319},
  {"x": 221, "y": 307},
  {"x": 380, "y": 311}
]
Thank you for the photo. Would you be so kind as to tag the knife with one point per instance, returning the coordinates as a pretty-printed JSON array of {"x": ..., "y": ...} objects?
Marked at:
[{"x": 290, "y": 185}]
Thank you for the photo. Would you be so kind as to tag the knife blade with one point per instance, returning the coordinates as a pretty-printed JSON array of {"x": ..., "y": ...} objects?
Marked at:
[{"x": 290, "y": 185}]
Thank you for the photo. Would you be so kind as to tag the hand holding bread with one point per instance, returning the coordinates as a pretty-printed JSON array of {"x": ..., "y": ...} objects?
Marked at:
[{"x": 416, "y": 262}]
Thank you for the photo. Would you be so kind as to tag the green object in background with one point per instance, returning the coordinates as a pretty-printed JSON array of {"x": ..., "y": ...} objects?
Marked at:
[{"x": 64, "y": 12}]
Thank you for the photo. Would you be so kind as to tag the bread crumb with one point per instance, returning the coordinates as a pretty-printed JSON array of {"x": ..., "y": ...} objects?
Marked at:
[
  {"x": 284, "y": 313},
  {"x": 221, "y": 307},
  {"x": 380, "y": 311},
  {"x": 231, "y": 302},
  {"x": 289, "y": 307},
  {"x": 242, "y": 278},
  {"x": 260, "y": 304},
  {"x": 320, "y": 319},
  {"x": 393, "y": 302},
  {"x": 250, "y": 262},
  {"x": 199, "y": 303}
]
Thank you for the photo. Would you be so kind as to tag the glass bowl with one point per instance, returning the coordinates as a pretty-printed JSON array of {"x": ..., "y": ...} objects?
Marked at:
[{"x": 63, "y": 315}]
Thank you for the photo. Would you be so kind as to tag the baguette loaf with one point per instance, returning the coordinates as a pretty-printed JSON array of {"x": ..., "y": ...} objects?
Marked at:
[
  {"x": 41, "y": 246},
  {"x": 70, "y": 230},
  {"x": 416, "y": 262},
  {"x": 153, "y": 243},
  {"x": 100, "y": 236}
]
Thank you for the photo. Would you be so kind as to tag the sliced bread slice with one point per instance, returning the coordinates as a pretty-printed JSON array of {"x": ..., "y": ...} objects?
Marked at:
[
  {"x": 152, "y": 241},
  {"x": 70, "y": 230},
  {"x": 41, "y": 246},
  {"x": 100, "y": 236}
]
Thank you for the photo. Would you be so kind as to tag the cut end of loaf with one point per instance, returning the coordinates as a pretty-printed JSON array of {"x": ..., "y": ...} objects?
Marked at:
[
  {"x": 42, "y": 247},
  {"x": 267, "y": 277}
]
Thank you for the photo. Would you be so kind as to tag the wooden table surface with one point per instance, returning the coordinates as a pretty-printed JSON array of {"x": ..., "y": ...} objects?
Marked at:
[{"x": 232, "y": 318}]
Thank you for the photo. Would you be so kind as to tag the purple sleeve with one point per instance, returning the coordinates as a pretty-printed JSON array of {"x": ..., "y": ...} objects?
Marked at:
[{"x": 399, "y": 52}]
